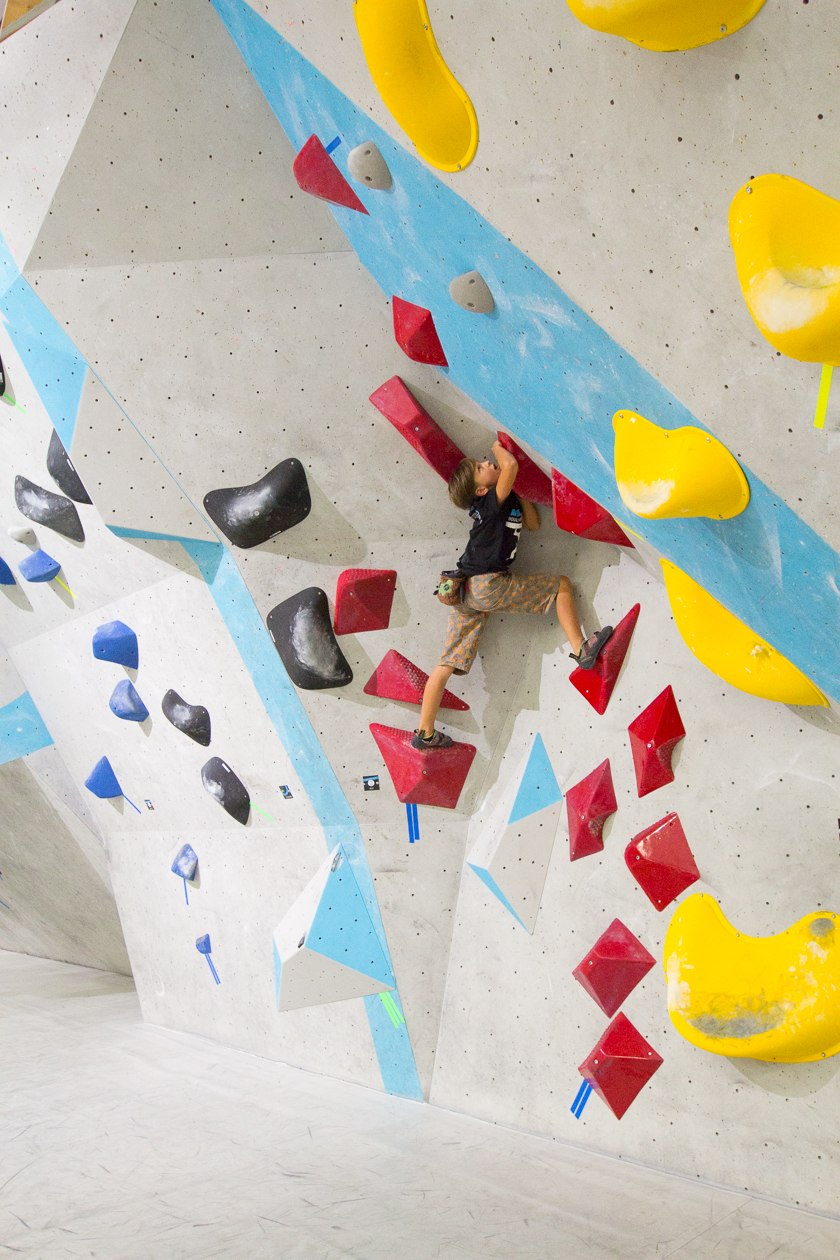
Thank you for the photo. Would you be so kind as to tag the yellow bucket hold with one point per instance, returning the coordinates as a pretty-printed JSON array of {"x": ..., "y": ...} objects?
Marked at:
[
  {"x": 730, "y": 649},
  {"x": 675, "y": 472},
  {"x": 751, "y": 997},
  {"x": 666, "y": 25},
  {"x": 415, "y": 83},
  {"x": 786, "y": 240}
]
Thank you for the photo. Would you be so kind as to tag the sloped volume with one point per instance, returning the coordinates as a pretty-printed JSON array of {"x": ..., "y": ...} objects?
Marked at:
[
  {"x": 227, "y": 788},
  {"x": 117, "y": 642},
  {"x": 531, "y": 482},
  {"x": 326, "y": 948},
  {"x": 398, "y": 404},
  {"x": 192, "y": 719},
  {"x": 250, "y": 515},
  {"x": 597, "y": 684},
  {"x": 398, "y": 678},
  {"x": 589, "y": 805},
  {"x": 302, "y": 632},
  {"x": 415, "y": 333},
  {"x": 513, "y": 851},
  {"x": 423, "y": 778},
  {"x": 575, "y": 512},
  {"x": 620, "y": 1065},
  {"x": 317, "y": 174},
  {"x": 63, "y": 473},
  {"x": 613, "y": 967},
  {"x": 363, "y": 599},
  {"x": 46, "y": 508},
  {"x": 654, "y": 735},
  {"x": 661, "y": 862}
]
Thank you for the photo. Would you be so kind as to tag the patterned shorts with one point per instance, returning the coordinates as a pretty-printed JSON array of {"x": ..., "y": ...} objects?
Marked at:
[{"x": 488, "y": 593}]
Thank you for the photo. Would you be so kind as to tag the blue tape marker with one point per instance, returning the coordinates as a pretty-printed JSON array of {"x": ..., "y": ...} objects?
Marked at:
[
  {"x": 413, "y": 824},
  {"x": 131, "y": 803},
  {"x": 581, "y": 1099},
  {"x": 2, "y": 903},
  {"x": 333, "y": 144}
]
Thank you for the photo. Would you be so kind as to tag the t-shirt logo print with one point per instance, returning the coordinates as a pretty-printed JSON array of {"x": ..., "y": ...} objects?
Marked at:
[
  {"x": 514, "y": 522},
  {"x": 494, "y": 536}
]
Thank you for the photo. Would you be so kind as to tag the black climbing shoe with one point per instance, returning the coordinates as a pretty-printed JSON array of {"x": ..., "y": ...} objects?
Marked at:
[
  {"x": 592, "y": 648},
  {"x": 436, "y": 740}
]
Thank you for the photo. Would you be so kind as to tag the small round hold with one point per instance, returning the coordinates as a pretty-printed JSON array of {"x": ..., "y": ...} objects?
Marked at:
[
  {"x": 471, "y": 293},
  {"x": 21, "y": 533},
  {"x": 366, "y": 164}
]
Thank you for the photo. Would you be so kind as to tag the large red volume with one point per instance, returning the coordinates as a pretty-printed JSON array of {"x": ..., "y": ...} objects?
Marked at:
[
  {"x": 661, "y": 862},
  {"x": 589, "y": 805},
  {"x": 398, "y": 404},
  {"x": 654, "y": 735},
  {"x": 317, "y": 173},
  {"x": 597, "y": 684},
  {"x": 613, "y": 967},
  {"x": 621, "y": 1065},
  {"x": 416, "y": 334},
  {"x": 423, "y": 778},
  {"x": 363, "y": 599},
  {"x": 398, "y": 678},
  {"x": 575, "y": 512},
  {"x": 531, "y": 482}
]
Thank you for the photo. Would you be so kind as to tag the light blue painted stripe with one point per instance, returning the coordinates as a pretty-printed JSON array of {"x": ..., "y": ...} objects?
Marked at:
[
  {"x": 538, "y": 787},
  {"x": 487, "y": 878},
  {"x": 544, "y": 369},
  {"x": 22, "y": 729}
]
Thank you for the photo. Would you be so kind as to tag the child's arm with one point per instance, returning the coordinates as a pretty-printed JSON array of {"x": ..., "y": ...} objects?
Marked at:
[
  {"x": 530, "y": 515},
  {"x": 509, "y": 468}
]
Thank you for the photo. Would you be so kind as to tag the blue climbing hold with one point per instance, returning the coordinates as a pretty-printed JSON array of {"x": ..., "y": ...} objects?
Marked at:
[
  {"x": 186, "y": 862},
  {"x": 102, "y": 781},
  {"x": 7, "y": 578},
  {"x": 39, "y": 567},
  {"x": 202, "y": 943},
  {"x": 116, "y": 642},
  {"x": 126, "y": 703}
]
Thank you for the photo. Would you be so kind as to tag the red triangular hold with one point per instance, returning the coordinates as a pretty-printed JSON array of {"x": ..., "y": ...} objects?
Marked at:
[
  {"x": 423, "y": 778},
  {"x": 613, "y": 967},
  {"x": 416, "y": 334},
  {"x": 597, "y": 684},
  {"x": 398, "y": 404},
  {"x": 575, "y": 512},
  {"x": 363, "y": 599},
  {"x": 589, "y": 805},
  {"x": 317, "y": 173},
  {"x": 661, "y": 862},
  {"x": 531, "y": 482},
  {"x": 620, "y": 1065},
  {"x": 654, "y": 734},
  {"x": 398, "y": 678}
]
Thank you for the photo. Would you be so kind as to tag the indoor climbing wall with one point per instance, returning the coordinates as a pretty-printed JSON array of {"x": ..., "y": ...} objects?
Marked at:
[{"x": 264, "y": 302}]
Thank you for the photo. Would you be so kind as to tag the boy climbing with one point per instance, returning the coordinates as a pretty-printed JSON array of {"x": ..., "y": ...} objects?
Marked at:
[{"x": 483, "y": 582}]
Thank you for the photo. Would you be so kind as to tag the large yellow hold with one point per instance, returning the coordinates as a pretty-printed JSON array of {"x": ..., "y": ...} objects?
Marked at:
[
  {"x": 666, "y": 25},
  {"x": 415, "y": 82},
  {"x": 675, "y": 472},
  {"x": 751, "y": 997},
  {"x": 730, "y": 649},
  {"x": 786, "y": 238}
]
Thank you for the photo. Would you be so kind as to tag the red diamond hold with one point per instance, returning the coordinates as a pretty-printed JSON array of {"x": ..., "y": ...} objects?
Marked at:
[
  {"x": 435, "y": 777},
  {"x": 398, "y": 678},
  {"x": 589, "y": 805},
  {"x": 654, "y": 735},
  {"x": 317, "y": 173},
  {"x": 661, "y": 862},
  {"x": 613, "y": 967},
  {"x": 621, "y": 1065},
  {"x": 363, "y": 599},
  {"x": 416, "y": 334},
  {"x": 597, "y": 684}
]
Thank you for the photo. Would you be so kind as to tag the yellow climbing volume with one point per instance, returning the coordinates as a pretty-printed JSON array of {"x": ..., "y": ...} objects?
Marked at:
[
  {"x": 751, "y": 997},
  {"x": 786, "y": 239},
  {"x": 675, "y": 472},
  {"x": 730, "y": 649},
  {"x": 415, "y": 82},
  {"x": 666, "y": 25}
]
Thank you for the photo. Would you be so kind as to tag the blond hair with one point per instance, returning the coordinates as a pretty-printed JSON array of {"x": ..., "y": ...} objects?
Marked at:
[{"x": 462, "y": 484}]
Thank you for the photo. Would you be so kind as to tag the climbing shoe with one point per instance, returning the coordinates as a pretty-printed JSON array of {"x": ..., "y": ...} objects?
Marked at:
[
  {"x": 591, "y": 648},
  {"x": 436, "y": 740}
]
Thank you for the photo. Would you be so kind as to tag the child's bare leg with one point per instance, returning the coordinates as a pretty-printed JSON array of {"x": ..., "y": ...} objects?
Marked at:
[
  {"x": 432, "y": 696},
  {"x": 567, "y": 615}
]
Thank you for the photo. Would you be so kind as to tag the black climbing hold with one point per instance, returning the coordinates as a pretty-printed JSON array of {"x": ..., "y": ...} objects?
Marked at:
[
  {"x": 192, "y": 719},
  {"x": 229, "y": 791},
  {"x": 303, "y": 635},
  {"x": 49, "y": 509},
  {"x": 63, "y": 473},
  {"x": 2, "y": 379},
  {"x": 250, "y": 515}
]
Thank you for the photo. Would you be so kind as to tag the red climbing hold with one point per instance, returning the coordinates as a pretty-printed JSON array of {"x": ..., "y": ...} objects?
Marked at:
[
  {"x": 317, "y": 173},
  {"x": 621, "y": 1065},
  {"x": 398, "y": 404},
  {"x": 661, "y": 862},
  {"x": 654, "y": 735},
  {"x": 423, "y": 778},
  {"x": 589, "y": 805},
  {"x": 531, "y": 482},
  {"x": 613, "y": 967},
  {"x": 416, "y": 334},
  {"x": 597, "y": 684},
  {"x": 398, "y": 678},
  {"x": 575, "y": 512},
  {"x": 363, "y": 599}
]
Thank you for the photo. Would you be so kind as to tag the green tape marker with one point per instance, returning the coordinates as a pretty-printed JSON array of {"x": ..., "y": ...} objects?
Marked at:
[
  {"x": 261, "y": 811},
  {"x": 822, "y": 397}
]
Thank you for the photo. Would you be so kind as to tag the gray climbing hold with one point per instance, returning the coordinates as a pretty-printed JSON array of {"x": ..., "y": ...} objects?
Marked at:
[
  {"x": 471, "y": 293},
  {"x": 303, "y": 635},
  {"x": 368, "y": 166},
  {"x": 192, "y": 719},
  {"x": 63, "y": 473},
  {"x": 250, "y": 515},
  {"x": 46, "y": 508},
  {"x": 229, "y": 790}
]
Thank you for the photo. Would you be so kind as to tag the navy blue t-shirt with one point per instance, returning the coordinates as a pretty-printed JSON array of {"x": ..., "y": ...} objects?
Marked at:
[{"x": 494, "y": 535}]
